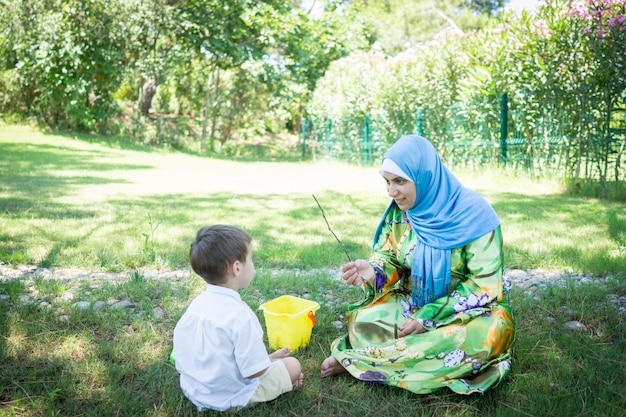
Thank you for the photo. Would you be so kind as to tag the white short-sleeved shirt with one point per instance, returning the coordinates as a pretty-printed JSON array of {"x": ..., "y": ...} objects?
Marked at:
[{"x": 218, "y": 343}]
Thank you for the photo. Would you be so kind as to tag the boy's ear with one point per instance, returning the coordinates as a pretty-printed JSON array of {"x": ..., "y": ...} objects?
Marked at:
[{"x": 236, "y": 268}]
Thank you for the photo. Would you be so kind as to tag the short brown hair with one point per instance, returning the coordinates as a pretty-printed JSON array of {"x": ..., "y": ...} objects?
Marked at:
[{"x": 215, "y": 249}]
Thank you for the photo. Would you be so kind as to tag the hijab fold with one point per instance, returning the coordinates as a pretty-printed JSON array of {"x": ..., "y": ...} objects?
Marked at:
[{"x": 446, "y": 215}]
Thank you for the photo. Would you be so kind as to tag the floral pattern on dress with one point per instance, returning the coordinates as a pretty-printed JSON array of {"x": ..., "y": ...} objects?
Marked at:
[
  {"x": 372, "y": 376},
  {"x": 469, "y": 330},
  {"x": 507, "y": 284},
  {"x": 454, "y": 358},
  {"x": 408, "y": 307},
  {"x": 470, "y": 302},
  {"x": 381, "y": 278},
  {"x": 425, "y": 323},
  {"x": 505, "y": 364}
]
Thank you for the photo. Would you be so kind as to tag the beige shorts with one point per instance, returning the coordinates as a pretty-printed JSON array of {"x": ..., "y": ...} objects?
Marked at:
[{"x": 274, "y": 382}]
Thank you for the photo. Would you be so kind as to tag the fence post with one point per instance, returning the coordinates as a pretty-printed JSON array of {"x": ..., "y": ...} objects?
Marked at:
[
  {"x": 329, "y": 128},
  {"x": 504, "y": 119},
  {"x": 419, "y": 118},
  {"x": 366, "y": 138},
  {"x": 303, "y": 134}
]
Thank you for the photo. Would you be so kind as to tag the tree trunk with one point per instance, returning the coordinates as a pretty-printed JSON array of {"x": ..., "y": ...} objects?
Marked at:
[
  {"x": 214, "y": 115},
  {"x": 205, "y": 121},
  {"x": 214, "y": 79},
  {"x": 147, "y": 93}
]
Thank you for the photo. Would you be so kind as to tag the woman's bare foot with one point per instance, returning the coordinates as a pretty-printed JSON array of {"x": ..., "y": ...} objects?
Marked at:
[
  {"x": 280, "y": 353},
  {"x": 331, "y": 367}
]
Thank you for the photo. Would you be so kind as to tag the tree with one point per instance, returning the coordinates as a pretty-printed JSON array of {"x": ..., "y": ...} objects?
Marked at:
[
  {"x": 149, "y": 31},
  {"x": 268, "y": 42},
  {"x": 485, "y": 6},
  {"x": 398, "y": 25},
  {"x": 66, "y": 59}
]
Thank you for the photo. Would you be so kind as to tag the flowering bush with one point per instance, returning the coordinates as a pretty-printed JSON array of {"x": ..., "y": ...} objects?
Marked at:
[
  {"x": 564, "y": 67},
  {"x": 602, "y": 24}
]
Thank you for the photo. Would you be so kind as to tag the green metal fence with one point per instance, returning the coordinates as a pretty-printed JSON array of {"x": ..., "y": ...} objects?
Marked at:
[{"x": 544, "y": 144}]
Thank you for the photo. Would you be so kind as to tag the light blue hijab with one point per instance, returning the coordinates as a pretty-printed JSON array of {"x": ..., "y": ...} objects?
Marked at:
[{"x": 446, "y": 215}]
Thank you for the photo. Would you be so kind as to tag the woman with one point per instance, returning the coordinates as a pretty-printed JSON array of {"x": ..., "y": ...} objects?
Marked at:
[{"x": 435, "y": 312}]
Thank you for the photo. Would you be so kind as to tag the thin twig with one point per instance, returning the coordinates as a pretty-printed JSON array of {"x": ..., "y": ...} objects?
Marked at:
[{"x": 331, "y": 230}]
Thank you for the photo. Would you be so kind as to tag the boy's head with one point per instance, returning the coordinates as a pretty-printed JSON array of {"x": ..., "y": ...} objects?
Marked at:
[{"x": 215, "y": 249}]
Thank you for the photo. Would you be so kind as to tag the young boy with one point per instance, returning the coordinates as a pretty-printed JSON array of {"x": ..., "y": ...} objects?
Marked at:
[{"x": 218, "y": 342}]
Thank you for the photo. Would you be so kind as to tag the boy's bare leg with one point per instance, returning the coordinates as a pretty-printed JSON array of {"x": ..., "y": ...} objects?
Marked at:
[
  {"x": 295, "y": 371},
  {"x": 293, "y": 366},
  {"x": 299, "y": 382}
]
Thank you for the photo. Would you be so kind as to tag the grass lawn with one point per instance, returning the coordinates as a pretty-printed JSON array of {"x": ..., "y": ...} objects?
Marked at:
[{"x": 88, "y": 203}]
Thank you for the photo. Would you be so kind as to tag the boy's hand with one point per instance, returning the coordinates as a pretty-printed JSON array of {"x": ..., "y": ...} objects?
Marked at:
[{"x": 280, "y": 353}]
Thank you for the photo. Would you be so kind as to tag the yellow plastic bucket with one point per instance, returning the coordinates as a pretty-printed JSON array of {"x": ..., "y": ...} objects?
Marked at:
[{"x": 289, "y": 321}]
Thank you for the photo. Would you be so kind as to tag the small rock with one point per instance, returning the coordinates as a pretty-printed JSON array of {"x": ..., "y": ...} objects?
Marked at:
[
  {"x": 553, "y": 276},
  {"x": 158, "y": 312},
  {"x": 99, "y": 305},
  {"x": 568, "y": 311},
  {"x": 44, "y": 305},
  {"x": 517, "y": 274},
  {"x": 574, "y": 325},
  {"x": 82, "y": 305},
  {"x": 551, "y": 321},
  {"x": 122, "y": 304},
  {"x": 67, "y": 296}
]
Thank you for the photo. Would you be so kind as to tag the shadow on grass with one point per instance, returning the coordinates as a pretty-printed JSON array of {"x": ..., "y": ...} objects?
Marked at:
[
  {"x": 41, "y": 208},
  {"x": 114, "y": 362},
  {"x": 14, "y": 246},
  {"x": 31, "y": 171},
  {"x": 112, "y": 142},
  {"x": 555, "y": 219},
  {"x": 616, "y": 222},
  {"x": 83, "y": 373},
  {"x": 580, "y": 369},
  {"x": 244, "y": 153},
  {"x": 31, "y": 157},
  {"x": 290, "y": 231},
  {"x": 100, "y": 363}
]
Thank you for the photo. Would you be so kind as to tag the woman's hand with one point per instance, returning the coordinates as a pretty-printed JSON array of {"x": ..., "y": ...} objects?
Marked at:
[
  {"x": 358, "y": 272},
  {"x": 411, "y": 326}
]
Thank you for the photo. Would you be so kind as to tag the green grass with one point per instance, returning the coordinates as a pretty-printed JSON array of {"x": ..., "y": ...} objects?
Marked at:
[
  {"x": 72, "y": 202},
  {"x": 68, "y": 202}
]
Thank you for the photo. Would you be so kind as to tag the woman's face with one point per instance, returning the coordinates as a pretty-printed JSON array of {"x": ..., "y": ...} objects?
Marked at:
[{"x": 401, "y": 190}]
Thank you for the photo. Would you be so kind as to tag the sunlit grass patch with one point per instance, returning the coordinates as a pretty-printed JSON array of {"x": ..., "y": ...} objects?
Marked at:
[
  {"x": 47, "y": 286},
  {"x": 13, "y": 288}
]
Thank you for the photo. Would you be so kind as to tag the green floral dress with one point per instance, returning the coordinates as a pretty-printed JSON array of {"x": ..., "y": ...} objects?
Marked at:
[{"x": 469, "y": 331}]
